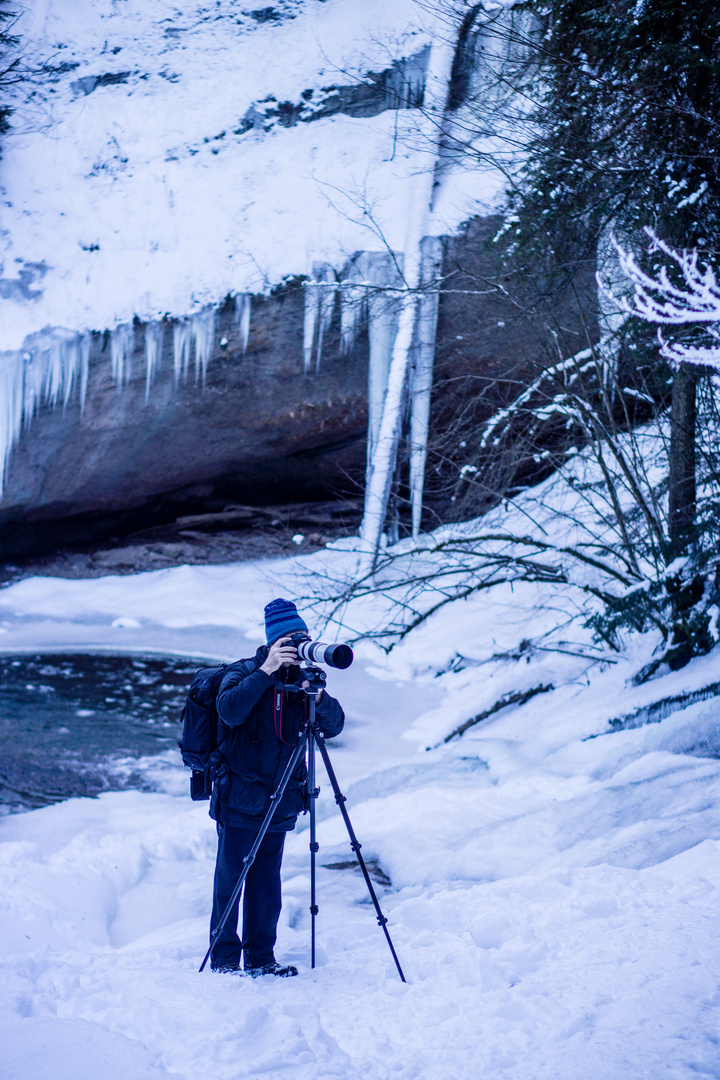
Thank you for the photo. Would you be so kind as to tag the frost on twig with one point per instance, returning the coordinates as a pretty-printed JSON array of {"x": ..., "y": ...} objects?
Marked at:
[{"x": 691, "y": 297}]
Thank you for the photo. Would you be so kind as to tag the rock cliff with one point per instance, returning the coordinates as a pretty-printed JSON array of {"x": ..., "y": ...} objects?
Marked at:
[{"x": 257, "y": 431}]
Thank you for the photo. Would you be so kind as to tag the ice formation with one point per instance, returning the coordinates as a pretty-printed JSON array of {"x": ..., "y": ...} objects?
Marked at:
[
  {"x": 153, "y": 353},
  {"x": 243, "y": 306},
  {"x": 53, "y": 364},
  {"x": 374, "y": 287},
  {"x": 319, "y": 307},
  {"x": 421, "y": 375},
  {"x": 202, "y": 328},
  {"x": 369, "y": 287},
  {"x": 383, "y": 462},
  {"x": 194, "y": 335},
  {"x": 181, "y": 348},
  {"x": 372, "y": 290},
  {"x": 45, "y": 371},
  {"x": 122, "y": 346}
]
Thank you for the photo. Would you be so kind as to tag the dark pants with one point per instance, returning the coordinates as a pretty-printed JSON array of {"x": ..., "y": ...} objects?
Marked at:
[{"x": 262, "y": 898}]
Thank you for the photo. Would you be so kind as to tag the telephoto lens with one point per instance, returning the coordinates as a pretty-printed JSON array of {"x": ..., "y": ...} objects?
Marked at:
[{"x": 317, "y": 652}]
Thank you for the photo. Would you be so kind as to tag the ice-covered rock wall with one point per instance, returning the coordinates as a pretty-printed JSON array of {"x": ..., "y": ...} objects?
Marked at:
[
  {"x": 53, "y": 365},
  {"x": 165, "y": 156},
  {"x": 259, "y": 431}
]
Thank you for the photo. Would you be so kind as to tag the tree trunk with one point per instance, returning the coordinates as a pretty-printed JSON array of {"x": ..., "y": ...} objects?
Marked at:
[
  {"x": 422, "y": 374},
  {"x": 382, "y": 467},
  {"x": 681, "y": 479}
]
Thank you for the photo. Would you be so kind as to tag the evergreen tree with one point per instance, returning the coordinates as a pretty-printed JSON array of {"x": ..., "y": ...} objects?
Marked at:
[
  {"x": 8, "y": 66},
  {"x": 626, "y": 135},
  {"x": 627, "y": 124}
]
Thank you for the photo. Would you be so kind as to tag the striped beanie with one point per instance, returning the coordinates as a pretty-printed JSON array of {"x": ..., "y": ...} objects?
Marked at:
[{"x": 282, "y": 619}]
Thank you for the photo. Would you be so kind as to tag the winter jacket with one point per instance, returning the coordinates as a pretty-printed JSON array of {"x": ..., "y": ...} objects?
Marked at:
[{"x": 260, "y": 721}]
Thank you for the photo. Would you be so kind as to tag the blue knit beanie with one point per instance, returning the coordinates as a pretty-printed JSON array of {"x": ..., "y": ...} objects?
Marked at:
[{"x": 282, "y": 619}]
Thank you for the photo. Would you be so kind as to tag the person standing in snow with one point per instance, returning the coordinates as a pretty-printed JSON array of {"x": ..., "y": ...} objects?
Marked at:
[{"x": 260, "y": 721}]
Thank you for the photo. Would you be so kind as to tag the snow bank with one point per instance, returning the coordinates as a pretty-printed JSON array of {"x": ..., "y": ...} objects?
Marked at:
[
  {"x": 553, "y": 897},
  {"x": 598, "y": 972},
  {"x": 541, "y": 936},
  {"x": 554, "y": 882}
]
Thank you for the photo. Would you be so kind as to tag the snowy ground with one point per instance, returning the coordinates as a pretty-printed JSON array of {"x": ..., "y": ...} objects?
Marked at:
[{"x": 554, "y": 895}]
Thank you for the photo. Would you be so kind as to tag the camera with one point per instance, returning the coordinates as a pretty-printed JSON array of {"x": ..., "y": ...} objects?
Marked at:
[{"x": 317, "y": 652}]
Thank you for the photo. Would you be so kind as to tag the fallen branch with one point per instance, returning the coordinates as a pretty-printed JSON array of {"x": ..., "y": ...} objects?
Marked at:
[
  {"x": 518, "y": 698},
  {"x": 659, "y": 710}
]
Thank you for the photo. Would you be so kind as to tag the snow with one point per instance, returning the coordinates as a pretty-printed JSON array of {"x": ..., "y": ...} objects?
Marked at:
[
  {"x": 554, "y": 882},
  {"x": 143, "y": 197}
]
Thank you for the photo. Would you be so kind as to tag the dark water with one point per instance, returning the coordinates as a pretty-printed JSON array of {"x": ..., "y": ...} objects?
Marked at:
[{"x": 74, "y": 724}]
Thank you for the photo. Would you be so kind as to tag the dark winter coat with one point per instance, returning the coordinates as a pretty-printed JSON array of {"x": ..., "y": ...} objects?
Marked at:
[{"x": 260, "y": 722}]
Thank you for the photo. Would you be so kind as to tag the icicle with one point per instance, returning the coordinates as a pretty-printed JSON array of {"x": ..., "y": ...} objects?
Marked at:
[
  {"x": 153, "y": 353},
  {"x": 353, "y": 312},
  {"x": 181, "y": 348},
  {"x": 71, "y": 364},
  {"x": 45, "y": 371},
  {"x": 319, "y": 310},
  {"x": 383, "y": 311},
  {"x": 367, "y": 292},
  {"x": 353, "y": 300},
  {"x": 422, "y": 375},
  {"x": 122, "y": 343},
  {"x": 12, "y": 366},
  {"x": 35, "y": 377},
  {"x": 51, "y": 367},
  {"x": 312, "y": 304},
  {"x": 325, "y": 310},
  {"x": 243, "y": 307},
  {"x": 52, "y": 362},
  {"x": 56, "y": 362},
  {"x": 203, "y": 333},
  {"x": 85, "y": 343}
]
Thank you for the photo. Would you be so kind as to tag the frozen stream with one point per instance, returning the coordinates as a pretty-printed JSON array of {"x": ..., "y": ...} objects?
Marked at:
[
  {"x": 74, "y": 724},
  {"x": 78, "y": 724}
]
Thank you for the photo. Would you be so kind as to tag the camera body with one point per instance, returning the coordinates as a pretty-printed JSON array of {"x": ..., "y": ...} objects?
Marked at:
[{"x": 317, "y": 652}]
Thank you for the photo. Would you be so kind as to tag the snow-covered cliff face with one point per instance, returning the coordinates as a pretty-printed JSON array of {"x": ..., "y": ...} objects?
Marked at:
[
  {"x": 165, "y": 154},
  {"x": 165, "y": 157}
]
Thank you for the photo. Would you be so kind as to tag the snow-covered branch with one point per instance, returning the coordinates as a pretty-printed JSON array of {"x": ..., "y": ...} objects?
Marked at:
[{"x": 694, "y": 300}]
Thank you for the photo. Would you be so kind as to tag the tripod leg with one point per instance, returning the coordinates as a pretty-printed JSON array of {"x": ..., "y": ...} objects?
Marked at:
[
  {"x": 250, "y": 857},
  {"x": 356, "y": 845},
  {"x": 314, "y": 846}
]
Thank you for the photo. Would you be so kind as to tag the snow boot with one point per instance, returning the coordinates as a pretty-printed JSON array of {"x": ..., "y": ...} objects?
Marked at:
[{"x": 272, "y": 968}]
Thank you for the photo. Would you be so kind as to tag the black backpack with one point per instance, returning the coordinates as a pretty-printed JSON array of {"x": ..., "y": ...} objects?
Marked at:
[{"x": 200, "y": 728}]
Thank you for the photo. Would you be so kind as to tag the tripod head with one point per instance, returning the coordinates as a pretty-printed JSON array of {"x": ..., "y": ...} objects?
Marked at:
[{"x": 316, "y": 681}]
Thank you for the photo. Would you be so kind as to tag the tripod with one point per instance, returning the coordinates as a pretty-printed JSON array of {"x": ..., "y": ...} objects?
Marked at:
[{"x": 309, "y": 738}]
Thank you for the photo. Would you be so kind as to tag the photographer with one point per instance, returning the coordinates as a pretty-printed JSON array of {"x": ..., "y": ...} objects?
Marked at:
[{"x": 260, "y": 721}]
